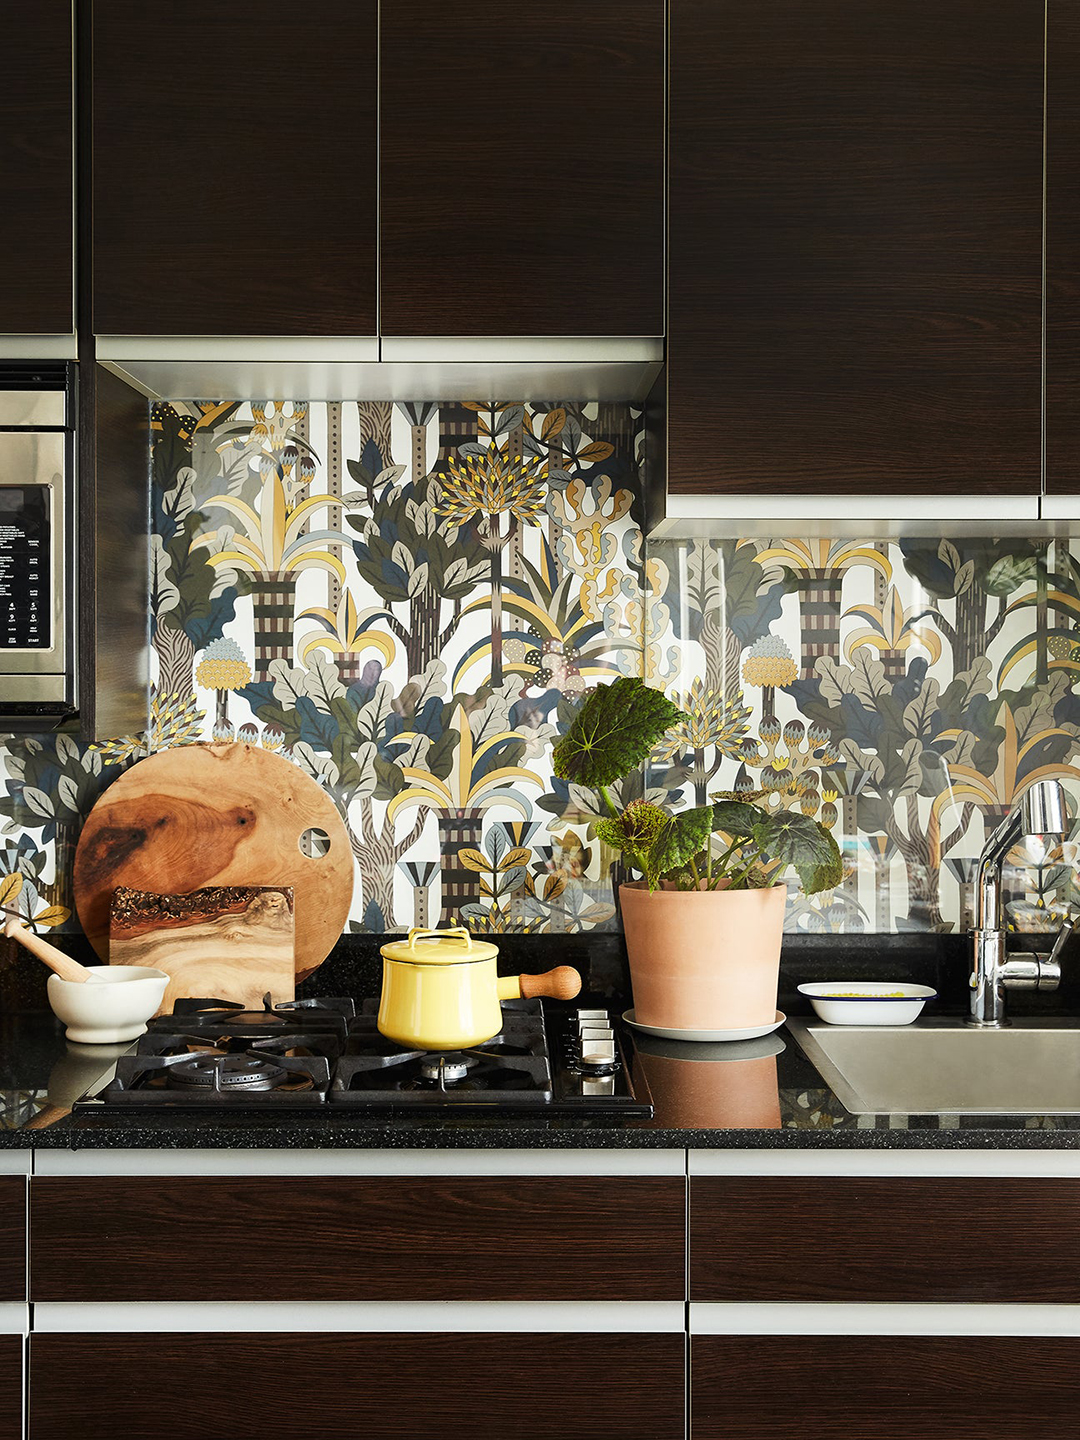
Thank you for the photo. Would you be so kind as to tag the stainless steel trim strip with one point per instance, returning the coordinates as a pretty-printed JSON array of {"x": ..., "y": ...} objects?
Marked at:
[
  {"x": 38, "y": 347},
  {"x": 1025, "y": 1164},
  {"x": 883, "y": 1319},
  {"x": 500, "y": 1316},
  {"x": 14, "y": 1317},
  {"x": 315, "y": 1163}
]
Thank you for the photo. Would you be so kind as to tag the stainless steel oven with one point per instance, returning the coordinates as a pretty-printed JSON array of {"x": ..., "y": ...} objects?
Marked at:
[{"x": 37, "y": 513}]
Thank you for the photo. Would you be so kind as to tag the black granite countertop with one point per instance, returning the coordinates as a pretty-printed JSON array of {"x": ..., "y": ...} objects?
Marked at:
[{"x": 760, "y": 1100}]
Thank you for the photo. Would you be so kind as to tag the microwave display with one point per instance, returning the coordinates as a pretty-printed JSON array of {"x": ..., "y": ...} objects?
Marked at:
[{"x": 25, "y": 567}]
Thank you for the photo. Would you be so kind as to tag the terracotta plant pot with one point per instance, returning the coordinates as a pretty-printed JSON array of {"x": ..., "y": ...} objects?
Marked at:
[{"x": 704, "y": 959}]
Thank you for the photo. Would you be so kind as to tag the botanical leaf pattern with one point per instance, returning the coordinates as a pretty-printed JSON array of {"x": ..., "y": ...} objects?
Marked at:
[{"x": 411, "y": 601}]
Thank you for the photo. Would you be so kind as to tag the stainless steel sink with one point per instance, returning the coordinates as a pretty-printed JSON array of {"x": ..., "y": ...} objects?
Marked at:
[{"x": 938, "y": 1067}]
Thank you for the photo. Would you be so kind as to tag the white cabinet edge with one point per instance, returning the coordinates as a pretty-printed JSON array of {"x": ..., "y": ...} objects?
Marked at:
[{"x": 15, "y": 1162}]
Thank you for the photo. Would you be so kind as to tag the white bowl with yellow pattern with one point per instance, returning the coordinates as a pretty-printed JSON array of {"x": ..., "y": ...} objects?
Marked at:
[{"x": 867, "y": 1002}]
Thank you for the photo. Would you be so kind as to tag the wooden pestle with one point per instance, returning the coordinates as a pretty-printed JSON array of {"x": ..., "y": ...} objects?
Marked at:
[{"x": 57, "y": 961}]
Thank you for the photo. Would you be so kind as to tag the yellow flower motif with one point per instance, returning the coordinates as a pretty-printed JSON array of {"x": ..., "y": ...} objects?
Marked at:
[
  {"x": 709, "y": 718},
  {"x": 480, "y": 487}
]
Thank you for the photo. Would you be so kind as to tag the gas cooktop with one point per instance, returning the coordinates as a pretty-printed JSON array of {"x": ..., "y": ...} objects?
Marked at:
[{"x": 307, "y": 1053}]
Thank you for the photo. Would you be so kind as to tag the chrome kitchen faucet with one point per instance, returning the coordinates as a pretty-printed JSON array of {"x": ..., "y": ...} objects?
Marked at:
[{"x": 1040, "y": 814}]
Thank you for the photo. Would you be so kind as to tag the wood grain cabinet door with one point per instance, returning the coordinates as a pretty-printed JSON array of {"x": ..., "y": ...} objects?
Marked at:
[
  {"x": 382, "y": 1387},
  {"x": 890, "y": 1387},
  {"x": 560, "y": 1238},
  {"x": 12, "y": 1237},
  {"x": 522, "y": 153},
  {"x": 1063, "y": 247},
  {"x": 11, "y": 1387},
  {"x": 234, "y": 177},
  {"x": 36, "y": 176},
  {"x": 880, "y": 1239},
  {"x": 855, "y": 246}
]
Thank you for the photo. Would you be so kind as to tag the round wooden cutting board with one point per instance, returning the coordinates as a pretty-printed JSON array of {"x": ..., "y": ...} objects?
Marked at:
[{"x": 231, "y": 814}]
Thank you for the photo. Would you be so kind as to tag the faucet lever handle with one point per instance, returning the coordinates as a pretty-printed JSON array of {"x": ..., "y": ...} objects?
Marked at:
[
  {"x": 1049, "y": 965},
  {"x": 1053, "y": 960}
]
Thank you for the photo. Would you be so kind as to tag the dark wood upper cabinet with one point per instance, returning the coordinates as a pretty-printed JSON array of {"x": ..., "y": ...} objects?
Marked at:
[
  {"x": 855, "y": 246},
  {"x": 522, "y": 167},
  {"x": 234, "y": 173},
  {"x": 1063, "y": 247},
  {"x": 36, "y": 176}
]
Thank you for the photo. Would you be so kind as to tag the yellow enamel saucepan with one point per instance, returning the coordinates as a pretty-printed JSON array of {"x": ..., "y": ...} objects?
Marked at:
[{"x": 440, "y": 990}]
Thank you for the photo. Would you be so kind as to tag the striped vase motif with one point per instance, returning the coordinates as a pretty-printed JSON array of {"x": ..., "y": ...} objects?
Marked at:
[
  {"x": 819, "y": 610},
  {"x": 273, "y": 593},
  {"x": 458, "y": 830}
]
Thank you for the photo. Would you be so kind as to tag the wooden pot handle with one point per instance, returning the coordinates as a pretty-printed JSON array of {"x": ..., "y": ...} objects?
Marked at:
[{"x": 562, "y": 983}]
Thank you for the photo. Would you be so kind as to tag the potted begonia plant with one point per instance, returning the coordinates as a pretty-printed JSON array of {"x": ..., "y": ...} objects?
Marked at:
[{"x": 704, "y": 924}]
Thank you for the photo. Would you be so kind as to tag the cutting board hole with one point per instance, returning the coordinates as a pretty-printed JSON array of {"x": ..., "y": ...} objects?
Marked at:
[{"x": 314, "y": 843}]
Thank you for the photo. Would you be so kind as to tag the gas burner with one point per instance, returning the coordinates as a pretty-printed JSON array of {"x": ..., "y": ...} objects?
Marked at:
[
  {"x": 228, "y": 1073},
  {"x": 446, "y": 1069},
  {"x": 217, "y": 1054}
]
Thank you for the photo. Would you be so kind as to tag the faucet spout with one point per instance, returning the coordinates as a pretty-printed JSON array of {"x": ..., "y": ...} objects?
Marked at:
[{"x": 1042, "y": 814}]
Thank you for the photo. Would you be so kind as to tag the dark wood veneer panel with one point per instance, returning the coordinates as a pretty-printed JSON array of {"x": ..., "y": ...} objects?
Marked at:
[
  {"x": 1063, "y": 247},
  {"x": 522, "y": 167},
  {"x": 383, "y": 1386},
  {"x": 12, "y": 1237},
  {"x": 904, "y": 1239},
  {"x": 357, "y": 1239},
  {"x": 11, "y": 1387},
  {"x": 36, "y": 179},
  {"x": 234, "y": 167},
  {"x": 891, "y": 1387},
  {"x": 113, "y": 579},
  {"x": 855, "y": 246}
]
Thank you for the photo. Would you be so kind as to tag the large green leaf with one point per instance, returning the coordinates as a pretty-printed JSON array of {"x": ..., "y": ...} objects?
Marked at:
[
  {"x": 737, "y": 818},
  {"x": 802, "y": 843},
  {"x": 613, "y": 732},
  {"x": 686, "y": 836},
  {"x": 656, "y": 843}
]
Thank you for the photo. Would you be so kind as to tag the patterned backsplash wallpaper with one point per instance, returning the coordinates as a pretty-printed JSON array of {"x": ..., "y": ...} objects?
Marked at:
[{"x": 409, "y": 600}]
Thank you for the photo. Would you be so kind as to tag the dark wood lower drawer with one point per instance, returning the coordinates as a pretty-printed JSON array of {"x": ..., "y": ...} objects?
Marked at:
[
  {"x": 12, "y": 1237},
  {"x": 382, "y": 1387},
  {"x": 840, "y": 1238},
  {"x": 890, "y": 1387},
  {"x": 11, "y": 1387},
  {"x": 334, "y": 1238}
]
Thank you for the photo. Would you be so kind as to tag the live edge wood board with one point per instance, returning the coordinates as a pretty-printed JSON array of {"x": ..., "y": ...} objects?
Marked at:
[
  {"x": 205, "y": 815},
  {"x": 234, "y": 941}
]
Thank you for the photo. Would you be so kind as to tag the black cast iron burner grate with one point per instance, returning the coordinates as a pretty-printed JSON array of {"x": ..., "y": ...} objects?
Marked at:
[{"x": 176, "y": 1070}]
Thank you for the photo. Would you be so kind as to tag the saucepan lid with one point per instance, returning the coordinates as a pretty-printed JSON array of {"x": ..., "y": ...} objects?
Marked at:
[{"x": 453, "y": 946}]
